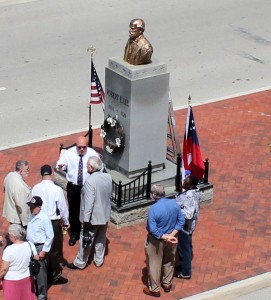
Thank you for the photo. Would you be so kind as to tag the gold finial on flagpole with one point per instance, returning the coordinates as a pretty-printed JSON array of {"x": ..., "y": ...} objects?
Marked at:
[
  {"x": 91, "y": 49},
  {"x": 189, "y": 100}
]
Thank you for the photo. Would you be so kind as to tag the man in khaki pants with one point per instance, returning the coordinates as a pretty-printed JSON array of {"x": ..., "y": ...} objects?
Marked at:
[{"x": 165, "y": 220}]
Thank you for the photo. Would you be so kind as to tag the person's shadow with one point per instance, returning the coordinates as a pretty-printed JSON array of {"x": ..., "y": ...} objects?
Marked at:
[{"x": 144, "y": 277}]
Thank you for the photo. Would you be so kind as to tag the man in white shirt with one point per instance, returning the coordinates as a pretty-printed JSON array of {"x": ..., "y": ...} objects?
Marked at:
[
  {"x": 70, "y": 161},
  {"x": 55, "y": 206},
  {"x": 40, "y": 233}
]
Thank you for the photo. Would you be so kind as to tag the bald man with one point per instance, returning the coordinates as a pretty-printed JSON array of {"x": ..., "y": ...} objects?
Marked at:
[{"x": 74, "y": 161}]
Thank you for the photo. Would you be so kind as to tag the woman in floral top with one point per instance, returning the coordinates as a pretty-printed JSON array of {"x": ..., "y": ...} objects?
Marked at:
[{"x": 189, "y": 202}]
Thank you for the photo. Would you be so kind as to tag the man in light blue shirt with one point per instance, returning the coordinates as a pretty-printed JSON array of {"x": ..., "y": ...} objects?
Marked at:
[
  {"x": 165, "y": 220},
  {"x": 40, "y": 233}
]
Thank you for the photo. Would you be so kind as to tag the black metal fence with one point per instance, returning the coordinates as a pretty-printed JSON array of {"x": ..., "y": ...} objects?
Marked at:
[
  {"x": 134, "y": 191},
  {"x": 140, "y": 188}
]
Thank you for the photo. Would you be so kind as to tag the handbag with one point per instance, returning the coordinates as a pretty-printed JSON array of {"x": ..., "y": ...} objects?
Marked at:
[{"x": 34, "y": 265}]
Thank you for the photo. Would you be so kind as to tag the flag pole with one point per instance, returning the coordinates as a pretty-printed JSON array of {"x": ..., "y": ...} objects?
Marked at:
[{"x": 91, "y": 49}]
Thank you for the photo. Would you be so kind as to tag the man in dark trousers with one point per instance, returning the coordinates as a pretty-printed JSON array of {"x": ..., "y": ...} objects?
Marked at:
[
  {"x": 55, "y": 206},
  {"x": 165, "y": 220},
  {"x": 189, "y": 202}
]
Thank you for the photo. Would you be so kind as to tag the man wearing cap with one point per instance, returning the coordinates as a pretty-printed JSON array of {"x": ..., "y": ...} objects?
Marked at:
[
  {"x": 40, "y": 233},
  {"x": 55, "y": 206},
  {"x": 138, "y": 50},
  {"x": 74, "y": 161},
  {"x": 17, "y": 191}
]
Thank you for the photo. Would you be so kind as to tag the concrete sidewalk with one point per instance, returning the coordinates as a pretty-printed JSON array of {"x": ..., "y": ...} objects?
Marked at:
[
  {"x": 254, "y": 288},
  {"x": 232, "y": 239}
]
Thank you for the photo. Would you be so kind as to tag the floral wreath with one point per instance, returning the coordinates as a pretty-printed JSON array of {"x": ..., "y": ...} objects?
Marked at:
[{"x": 113, "y": 139}]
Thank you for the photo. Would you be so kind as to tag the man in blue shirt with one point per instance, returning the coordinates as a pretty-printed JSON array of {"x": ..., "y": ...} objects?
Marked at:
[
  {"x": 165, "y": 220},
  {"x": 40, "y": 233}
]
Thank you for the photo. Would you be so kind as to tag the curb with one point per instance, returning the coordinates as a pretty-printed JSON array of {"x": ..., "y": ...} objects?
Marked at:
[{"x": 236, "y": 289}]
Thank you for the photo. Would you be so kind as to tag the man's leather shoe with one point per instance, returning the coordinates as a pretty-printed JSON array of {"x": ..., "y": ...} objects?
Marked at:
[
  {"x": 63, "y": 263},
  {"x": 72, "y": 266},
  {"x": 60, "y": 280},
  {"x": 150, "y": 293},
  {"x": 72, "y": 241},
  {"x": 167, "y": 287}
]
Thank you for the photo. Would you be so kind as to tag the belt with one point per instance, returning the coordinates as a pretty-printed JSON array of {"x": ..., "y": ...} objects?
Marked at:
[
  {"x": 71, "y": 184},
  {"x": 57, "y": 220},
  {"x": 39, "y": 244}
]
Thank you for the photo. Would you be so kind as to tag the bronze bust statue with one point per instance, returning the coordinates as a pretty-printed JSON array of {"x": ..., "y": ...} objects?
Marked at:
[{"x": 138, "y": 50}]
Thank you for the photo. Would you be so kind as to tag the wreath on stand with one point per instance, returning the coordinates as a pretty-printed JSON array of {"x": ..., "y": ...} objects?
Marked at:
[{"x": 113, "y": 134}]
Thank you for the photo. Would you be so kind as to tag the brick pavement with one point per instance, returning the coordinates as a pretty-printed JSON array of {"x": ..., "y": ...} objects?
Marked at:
[{"x": 232, "y": 238}]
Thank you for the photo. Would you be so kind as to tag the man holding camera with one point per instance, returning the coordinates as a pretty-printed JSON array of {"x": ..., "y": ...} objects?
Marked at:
[
  {"x": 55, "y": 206},
  {"x": 95, "y": 212}
]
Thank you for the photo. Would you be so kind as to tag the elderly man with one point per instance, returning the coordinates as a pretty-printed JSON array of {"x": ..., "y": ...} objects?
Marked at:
[
  {"x": 94, "y": 214},
  {"x": 40, "y": 233},
  {"x": 74, "y": 161},
  {"x": 55, "y": 206},
  {"x": 138, "y": 50},
  {"x": 16, "y": 194},
  {"x": 165, "y": 220}
]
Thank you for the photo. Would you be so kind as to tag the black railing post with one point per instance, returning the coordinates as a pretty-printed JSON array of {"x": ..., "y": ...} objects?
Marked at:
[
  {"x": 119, "y": 194},
  {"x": 148, "y": 189},
  {"x": 206, "y": 171},
  {"x": 90, "y": 135},
  {"x": 178, "y": 174}
]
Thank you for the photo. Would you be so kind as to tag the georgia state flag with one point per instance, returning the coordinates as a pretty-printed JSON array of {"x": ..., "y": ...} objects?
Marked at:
[{"x": 192, "y": 157}]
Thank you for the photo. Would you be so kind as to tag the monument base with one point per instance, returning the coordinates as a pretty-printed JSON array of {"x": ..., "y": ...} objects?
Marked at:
[{"x": 137, "y": 212}]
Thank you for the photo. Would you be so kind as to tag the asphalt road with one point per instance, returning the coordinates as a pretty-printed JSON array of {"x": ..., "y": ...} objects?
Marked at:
[{"x": 212, "y": 48}]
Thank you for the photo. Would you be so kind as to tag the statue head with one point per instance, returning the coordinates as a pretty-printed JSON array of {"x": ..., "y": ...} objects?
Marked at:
[
  {"x": 137, "y": 27},
  {"x": 138, "y": 50},
  {"x": 139, "y": 23}
]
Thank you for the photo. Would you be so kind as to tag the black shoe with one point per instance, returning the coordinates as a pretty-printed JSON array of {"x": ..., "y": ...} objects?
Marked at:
[
  {"x": 60, "y": 280},
  {"x": 63, "y": 263},
  {"x": 72, "y": 241},
  {"x": 72, "y": 266}
]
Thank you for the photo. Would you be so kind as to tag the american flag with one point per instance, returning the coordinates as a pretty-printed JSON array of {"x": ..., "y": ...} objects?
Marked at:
[
  {"x": 97, "y": 92},
  {"x": 192, "y": 157}
]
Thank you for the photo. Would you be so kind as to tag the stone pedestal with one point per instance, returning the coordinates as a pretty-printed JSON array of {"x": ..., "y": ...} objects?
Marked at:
[{"x": 138, "y": 97}]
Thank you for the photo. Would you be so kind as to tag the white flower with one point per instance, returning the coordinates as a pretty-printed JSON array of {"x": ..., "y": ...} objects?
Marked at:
[
  {"x": 103, "y": 133},
  {"x": 118, "y": 142},
  {"x": 111, "y": 121},
  {"x": 108, "y": 149}
]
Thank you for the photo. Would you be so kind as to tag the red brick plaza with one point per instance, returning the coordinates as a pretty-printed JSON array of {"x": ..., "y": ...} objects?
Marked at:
[{"x": 232, "y": 240}]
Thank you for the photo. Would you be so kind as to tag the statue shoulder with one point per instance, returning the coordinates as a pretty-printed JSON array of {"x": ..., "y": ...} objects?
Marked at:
[{"x": 144, "y": 43}]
